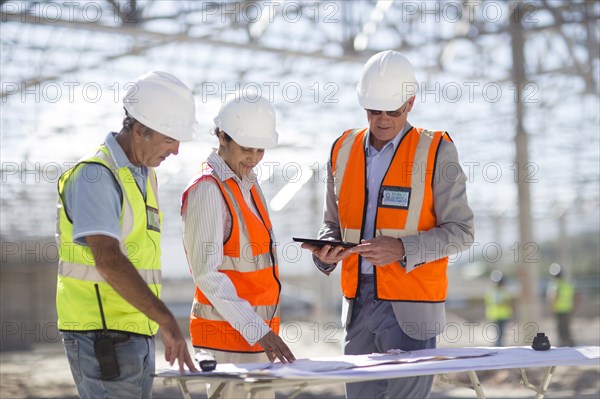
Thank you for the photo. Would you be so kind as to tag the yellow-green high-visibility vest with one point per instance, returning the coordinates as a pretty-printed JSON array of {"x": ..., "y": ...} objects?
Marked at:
[
  {"x": 140, "y": 221},
  {"x": 497, "y": 305},
  {"x": 563, "y": 302}
]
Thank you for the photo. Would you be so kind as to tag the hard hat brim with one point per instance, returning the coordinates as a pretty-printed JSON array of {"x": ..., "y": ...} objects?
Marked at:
[
  {"x": 256, "y": 142},
  {"x": 178, "y": 134},
  {"x": 381, "y": 104}
]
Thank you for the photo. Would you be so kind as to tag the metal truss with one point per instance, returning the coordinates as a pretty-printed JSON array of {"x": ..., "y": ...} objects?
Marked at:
[
  {"x": 462, "y": 44},
  {"x": 324, "y": 31}
]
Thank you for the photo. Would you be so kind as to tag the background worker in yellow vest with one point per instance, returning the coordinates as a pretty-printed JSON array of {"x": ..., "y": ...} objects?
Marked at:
[
  {"x": 109, "y": 245},
  {"x": 230, "y": 245},
  {"x": 498, "y": 304},
  {"x": 562, "y": 299},
  {"x": 398, "y": 191}
]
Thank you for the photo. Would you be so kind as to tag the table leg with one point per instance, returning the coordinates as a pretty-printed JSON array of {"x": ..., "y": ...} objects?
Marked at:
[
  {"x": 298, "y": 390},
  {"x": 543, "y": 387},
  {"x": 474, "y": 385},
  {"x": 217, "y": 393},
  {"x": 183, "y": 389}
]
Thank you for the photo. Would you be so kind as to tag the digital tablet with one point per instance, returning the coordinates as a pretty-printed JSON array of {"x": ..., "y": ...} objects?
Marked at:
[{"x": 320, "y": 243}]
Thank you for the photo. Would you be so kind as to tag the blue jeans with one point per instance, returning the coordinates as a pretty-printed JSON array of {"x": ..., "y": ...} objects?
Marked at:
[{"x": 135, "y": 356}]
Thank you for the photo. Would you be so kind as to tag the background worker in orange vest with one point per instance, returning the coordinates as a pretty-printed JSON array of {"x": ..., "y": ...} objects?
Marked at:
[
  {"x": 230, "y": 245},
  {"x": 398, "y": 191}
]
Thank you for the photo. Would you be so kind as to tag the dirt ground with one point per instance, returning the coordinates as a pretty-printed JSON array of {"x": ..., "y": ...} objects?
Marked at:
[{"x": 44, "y": 371}]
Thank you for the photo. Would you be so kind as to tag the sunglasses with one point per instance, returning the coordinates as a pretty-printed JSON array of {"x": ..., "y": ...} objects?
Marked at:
[{"x": 391, "y": 114}]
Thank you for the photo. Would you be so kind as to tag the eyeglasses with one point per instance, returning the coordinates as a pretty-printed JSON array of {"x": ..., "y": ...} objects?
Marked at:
[{"x": 391, "y": 114}]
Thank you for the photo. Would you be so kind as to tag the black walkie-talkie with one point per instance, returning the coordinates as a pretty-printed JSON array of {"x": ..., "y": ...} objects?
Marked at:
[{"x": 104, "y": 348}]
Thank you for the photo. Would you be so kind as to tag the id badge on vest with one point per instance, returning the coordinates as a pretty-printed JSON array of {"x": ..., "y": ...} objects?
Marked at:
[
  {"x": 394, "y": 197},
  {"x": 153, "y": 217}
]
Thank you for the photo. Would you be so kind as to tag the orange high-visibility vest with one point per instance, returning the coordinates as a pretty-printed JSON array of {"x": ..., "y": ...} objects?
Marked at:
[
  {"x": 405, "y": 207},
  {"x": 250, "y": 262}
]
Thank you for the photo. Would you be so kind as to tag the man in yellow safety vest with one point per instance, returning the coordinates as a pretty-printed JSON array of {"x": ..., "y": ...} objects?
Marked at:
[
  {"x": 108, "y": 232},
  {"x": 562, "y": 300},
  {"x": 498, "y": 305}
]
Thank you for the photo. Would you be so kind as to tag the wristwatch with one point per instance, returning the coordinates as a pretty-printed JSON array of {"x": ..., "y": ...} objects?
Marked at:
[{"x": 403, "y": 261}]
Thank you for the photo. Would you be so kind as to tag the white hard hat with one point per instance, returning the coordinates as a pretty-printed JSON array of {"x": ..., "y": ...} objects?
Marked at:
[
  {"x": 249, "y": 121},
  {"x": 555, "y": 269},
  {"x": 163, "y": 103},
  {"x": 497, "y": 276},
  {"x": 387, "y": 82}
]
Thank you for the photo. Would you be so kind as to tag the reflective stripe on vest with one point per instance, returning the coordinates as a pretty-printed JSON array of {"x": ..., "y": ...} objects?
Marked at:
[
  {"x": 409, "y": 182},
  {"x": 90, "y": 273},
  {"x": 249, "y": 261},
  {"x": 140, "y": 221}
]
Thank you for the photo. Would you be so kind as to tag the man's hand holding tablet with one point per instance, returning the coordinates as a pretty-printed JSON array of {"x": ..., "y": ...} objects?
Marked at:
[{"x": 329, "y": 252}]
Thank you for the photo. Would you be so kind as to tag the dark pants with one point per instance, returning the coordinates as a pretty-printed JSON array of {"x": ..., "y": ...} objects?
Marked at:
[
  {"x": 500, "y": 326},
  {"x": 374, "y": 328},
  {"x": 563, "y": 325}
]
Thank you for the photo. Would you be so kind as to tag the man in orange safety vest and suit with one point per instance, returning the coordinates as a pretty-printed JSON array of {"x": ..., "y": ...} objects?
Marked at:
[{"x": 399, "y": 192}]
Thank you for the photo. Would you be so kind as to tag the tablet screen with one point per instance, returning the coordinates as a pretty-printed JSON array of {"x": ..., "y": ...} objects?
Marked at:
[{"x": 320, "y": 243}]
